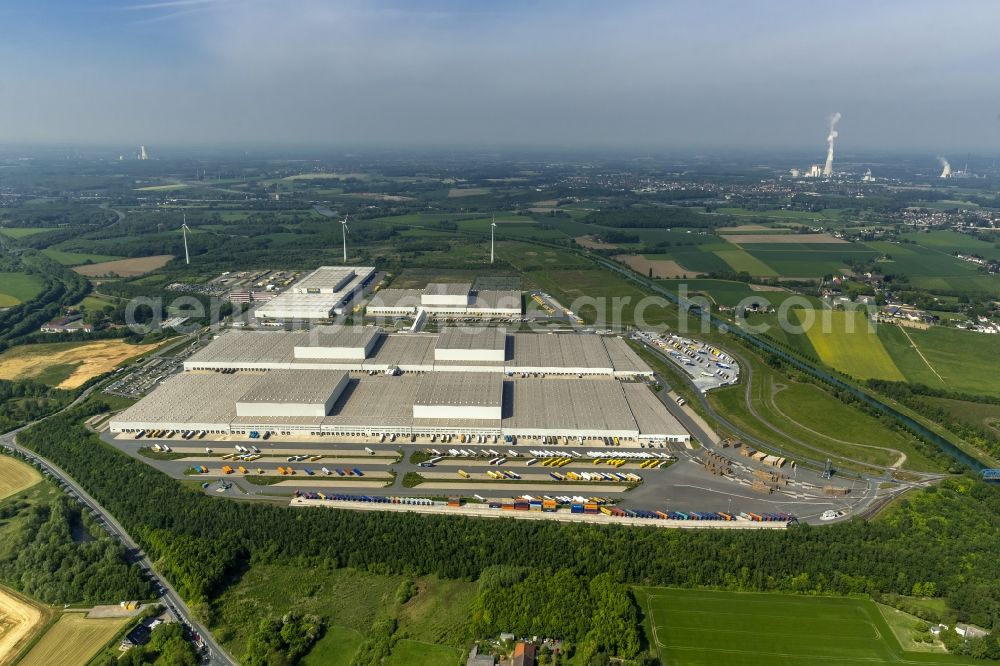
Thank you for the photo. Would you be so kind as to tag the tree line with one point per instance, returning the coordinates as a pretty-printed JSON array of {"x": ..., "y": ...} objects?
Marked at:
[
  {"x": 945, "y": 535},
  {"x": 23, "y": 401},
  {"x": 54, "y": 553}
]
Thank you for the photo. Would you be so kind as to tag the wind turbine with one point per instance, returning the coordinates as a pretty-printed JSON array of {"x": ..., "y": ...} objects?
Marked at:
[
  {"x": 493, "y": 227},
  {"x": 344, "y": 230},
  {"x": 184, "y": 229}
]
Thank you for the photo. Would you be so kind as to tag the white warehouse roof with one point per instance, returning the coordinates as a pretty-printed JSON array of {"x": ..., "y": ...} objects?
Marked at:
[{"x": 294, "y": 386}]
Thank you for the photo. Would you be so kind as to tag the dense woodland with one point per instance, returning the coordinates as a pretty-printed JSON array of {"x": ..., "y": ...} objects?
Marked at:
[
  {"x": 24, "y": 401},
  {"x": 51, "y": 552},
  {"x": 594, "y": 616},
  {"x": 62, "y": 287},
  {"x": 944, "y": 535},
  {"x": 913, "y": 396}
]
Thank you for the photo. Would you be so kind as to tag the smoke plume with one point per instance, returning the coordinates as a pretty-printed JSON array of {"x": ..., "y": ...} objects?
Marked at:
[
  {"x": 945, "y": 167},
  {"x": 828, "y": 168}
]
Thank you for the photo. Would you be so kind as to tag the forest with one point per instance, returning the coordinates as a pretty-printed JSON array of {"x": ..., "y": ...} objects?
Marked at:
[
  {"x": 595, "y": 616},
  {"x": 23, "y": 401},
  {"x": 62, "y": 287},
  {"x": 946, "y": 535},
  {"x": 51, "y": 552}
]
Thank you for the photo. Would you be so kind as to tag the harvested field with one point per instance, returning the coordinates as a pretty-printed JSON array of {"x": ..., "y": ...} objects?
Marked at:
[
  {"x": 458, "y": 192},
  {"x": 67, "y": 365},
  {"x": 766, "y": 287},
  {"x": 125, "y": 267},
  {"x": 73, "y": 640},
  {"x": 810, "y": 239},
  {"x": 744, "y": 228},
  {"x": 591, "y": 243},
  {"x": 16, "y": 476},
  {"x": 20, "y": 619},
  {"x": 662, "y": 268}
]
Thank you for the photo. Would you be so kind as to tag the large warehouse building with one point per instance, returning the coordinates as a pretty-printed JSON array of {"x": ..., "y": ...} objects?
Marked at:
[
  {"x": 461, "y": 385},
  {"x": 456, "y": 349},
  {"x": 319, "y": 295},
  {"x": 439, "y": 299}
]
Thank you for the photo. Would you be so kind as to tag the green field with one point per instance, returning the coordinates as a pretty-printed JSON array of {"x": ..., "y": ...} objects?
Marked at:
[
  {"x": 337, "y": 647},
  {"x": 953, "y": 241},
  {"x": 805, "y": 260},
  {"x": 961, "y": 360},
  {"x": 18, "y": 287},
  {"x": 615, "y": 299},
  {"x": 742, "y": 261},
  {"x": 809, "y": 413},
  {"x": 351, "y": 601},
  {"x": 708, "y": 628},
  {"x": 694, "y": 259},
  {"x": 76, "y": 258},
  {"x": 22, "y": 232},
  {"x": 933, "y": 268},
  {"x": 843, "y": 341},
  {"x": 980, "y": 414},
  {"x": 788, "y": 215},
  {"x": 416, "y": 653},
  {"x": 802, "y": 419},
  {"x": 169, "y": 187}
]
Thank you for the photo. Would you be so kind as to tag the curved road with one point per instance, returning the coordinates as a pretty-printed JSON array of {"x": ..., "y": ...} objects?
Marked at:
[
  {"x": 213, "y": 654},
  {"x": 874, "y": 503}
]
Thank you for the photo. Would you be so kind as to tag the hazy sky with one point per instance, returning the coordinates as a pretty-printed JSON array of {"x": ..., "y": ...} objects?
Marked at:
[{"x": 905, "y": 75}]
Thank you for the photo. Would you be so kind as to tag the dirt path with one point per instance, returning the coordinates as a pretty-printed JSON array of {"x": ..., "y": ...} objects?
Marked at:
[
  {"x": 19, "y": 620},
  {"x": 775, "y": 389},
  {"x": 921, "y": 354}
]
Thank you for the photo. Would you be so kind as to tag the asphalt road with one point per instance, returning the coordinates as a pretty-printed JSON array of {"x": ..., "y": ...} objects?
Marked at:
[
  {"x": 214, "y": 654},
  {"x": 871, "y": 501}
]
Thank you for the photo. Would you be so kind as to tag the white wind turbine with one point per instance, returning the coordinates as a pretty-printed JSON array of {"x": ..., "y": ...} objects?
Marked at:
[
  {"x": 184, "y": 229},
  {"x": 493, "y": 228},
  {"x": 344, "y": 230}
]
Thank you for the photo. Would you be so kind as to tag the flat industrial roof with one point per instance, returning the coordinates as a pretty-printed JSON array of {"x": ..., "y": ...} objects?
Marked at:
[
  {"x": 395, "y": 298},
  {"x": 579, "y": 404},
  {"x": 559, "y": 350},
  {"x": 489, "y": 299},
  {"x": 461, "y": 389},
  {"x": 238, "y": 346},
  {"x": 376, "y": 401},
  {"x": 192, "y": 397},
  {"x": 447, "y": 288},
  {"x": 404, "y": 350},
  {"x": 649, "y": 413},
  {"x": 328, "y": 277},
  {"x": 294, "y": 387},
  {"x": 313, "y": 302},
  {"x": 525, "y": 350},
  {"x": 623, "y": 358},
  {"x": 468, "y": 338},
  {"x": 603, "y": 404},
  {"x": 354, "y": 337}
]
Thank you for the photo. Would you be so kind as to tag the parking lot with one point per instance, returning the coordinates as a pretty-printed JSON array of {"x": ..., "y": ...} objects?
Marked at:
[
  {"x": 708, "y": 366},
  {"x": 683, "y": 483}
]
